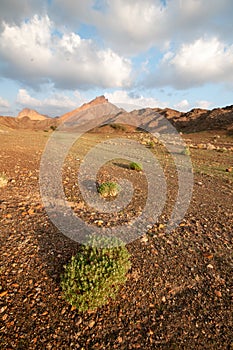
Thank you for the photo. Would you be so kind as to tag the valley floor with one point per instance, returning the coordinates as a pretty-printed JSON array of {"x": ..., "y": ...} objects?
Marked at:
[{"x": 178, "y": 293}]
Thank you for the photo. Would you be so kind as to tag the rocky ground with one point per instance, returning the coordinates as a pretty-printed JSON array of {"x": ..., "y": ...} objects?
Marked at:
[{"x": 178, "y": 293}]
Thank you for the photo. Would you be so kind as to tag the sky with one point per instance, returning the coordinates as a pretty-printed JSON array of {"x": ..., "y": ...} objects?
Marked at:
[{"x": 58, "y": 54}]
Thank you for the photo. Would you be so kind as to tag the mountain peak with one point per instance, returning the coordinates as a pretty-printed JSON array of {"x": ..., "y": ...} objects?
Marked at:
[
  {"x": 97, "y": 101},
  {"x": 31, "y": 114}
]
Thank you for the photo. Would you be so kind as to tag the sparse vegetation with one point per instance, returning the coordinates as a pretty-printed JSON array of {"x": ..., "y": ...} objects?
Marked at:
[
  {"x": 108, "y": 189},
  {"x": 3, "y": 180},
  {"x": 186, "y": 151},
  {"x": 150, "y": 144},
  {"x": 95, "y": 274},
  {"x": 135, "y": 166},
  {"x": 118, "y": 127},
  {"x": 201, "y": 243},
  {"x": 53, "y": 127}
]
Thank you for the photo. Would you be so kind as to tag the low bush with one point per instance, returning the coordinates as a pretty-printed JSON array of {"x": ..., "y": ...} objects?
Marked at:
[
  {"x": 95, "y": 274},
  {"x": 186, "y": 151},
  {"x": 135, "y": 166},
  {"x": 150, "y": 144},
  {"x": 118, "y": 127},
  {"x": 108, "y": 189}
]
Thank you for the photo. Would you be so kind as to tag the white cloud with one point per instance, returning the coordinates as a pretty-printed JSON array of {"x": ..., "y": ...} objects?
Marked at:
[
  {"x": 15, "y": 10},
  {"x": 72, "y": 12},
  {"x": 33, "y": 54},
  {"x": 195, "y": 64},
  {"x": 56, "y": 103},
  {"x": 182, "y": 105},
  {"x": 4, "y": 103},
  {"x": 25, "y": 99},
  {"x": 131, "y": 26},
  {"x": 130, "y": 101},
  {"x": 45, "y": 42},
  {"x": 203, "y": 104}
]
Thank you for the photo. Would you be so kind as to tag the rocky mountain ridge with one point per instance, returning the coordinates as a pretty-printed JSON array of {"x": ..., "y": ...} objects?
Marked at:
[
  {"x": 31, "y": 114},
  {"x": 194, "y": 120}
]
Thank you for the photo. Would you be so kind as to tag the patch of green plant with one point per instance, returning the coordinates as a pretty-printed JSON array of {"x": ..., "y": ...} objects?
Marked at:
[
  {"x": 96, "y": 273},
  {"x": 215, "y": 171},
  {"x": 135, "y": 166},
  {"x": 53, "y": 127},
  {"x": 186, "y": 151},
  {"x": 3, "y": 180},
  {"x": 222, "y": 150},
  {"x": 150, "y": 144},
  {"x": 108, "y": 189},
  {"x": 118, "y": 127}
]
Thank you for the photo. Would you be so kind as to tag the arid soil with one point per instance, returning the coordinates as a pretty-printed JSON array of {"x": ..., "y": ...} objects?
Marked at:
[{"x": 178, "y": 293}]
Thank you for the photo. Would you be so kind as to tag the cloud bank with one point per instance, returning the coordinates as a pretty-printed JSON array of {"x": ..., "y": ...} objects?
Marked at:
[{"x": 34, "y": 53}]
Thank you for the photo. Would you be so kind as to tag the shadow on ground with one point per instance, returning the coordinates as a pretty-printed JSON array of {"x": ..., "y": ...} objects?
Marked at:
[{"x": 55, "y": 249}]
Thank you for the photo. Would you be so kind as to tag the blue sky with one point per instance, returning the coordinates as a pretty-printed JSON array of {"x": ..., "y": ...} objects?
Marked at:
[{"x": 55, "y": 55}]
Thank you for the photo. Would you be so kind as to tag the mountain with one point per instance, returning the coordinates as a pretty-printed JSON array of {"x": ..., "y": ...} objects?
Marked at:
[
  {"x": 195, "y": 120},
  {"x": 31, "y": 114},
  {"x": 202, "y": 119},
  {"x": 97, "y": 101},
  {"x": 28, "y": 119},
  {"x": 91, "y": 116}
]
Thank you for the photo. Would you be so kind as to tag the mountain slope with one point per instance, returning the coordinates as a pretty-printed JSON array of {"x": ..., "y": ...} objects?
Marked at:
[
  {"x": 193, "y": 121},
  {"x": 31, "y": 114}
]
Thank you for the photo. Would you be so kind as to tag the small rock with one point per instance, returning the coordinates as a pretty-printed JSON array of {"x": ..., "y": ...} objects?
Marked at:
[
  {"x": 4, "y": 317},
  {"x": 210, "y": 147},
  {"x": 31, "y": 211},
  {"x": 99, "y": 222},
  {"x": 79, "y": 321},
  {"x": 208, "y": 256},
  {"x": 91, "y": 324},
  {"x": 144, "y": 239},
  {"x": 3, "y": 294},
  {"x": 218, "y": 293},
  {"x": 3, "y": 309},
  {"x": 119, "y": 339}
]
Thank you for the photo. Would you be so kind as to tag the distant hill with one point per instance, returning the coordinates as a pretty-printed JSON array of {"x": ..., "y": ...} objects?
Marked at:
[
  {"x": 31, "y": 114},
  {"x": 193, "y": 121},
  {"x": 28, "y": 119},
  {"x": 202, "y": 119},
  {"x": 97, "y": 101},
  {"x": 27, "y": 123}
]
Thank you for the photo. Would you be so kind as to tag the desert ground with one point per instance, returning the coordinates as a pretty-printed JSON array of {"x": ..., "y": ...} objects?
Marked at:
[{"x": 178, "y": 293}]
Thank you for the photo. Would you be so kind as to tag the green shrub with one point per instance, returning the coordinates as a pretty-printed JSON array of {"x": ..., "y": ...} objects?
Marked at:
[
  {"x": 53, "y": 127},
  {"x": 3, "y": 180},
  {"x": 108, "y": 189},
  {"x": 186, "y": 151},
  {"x": 95, "y": 274},
  {"x": 150, "y": 144},
  {"x": 135, "y": 166},
  {"x": 118, "y": 127}
]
